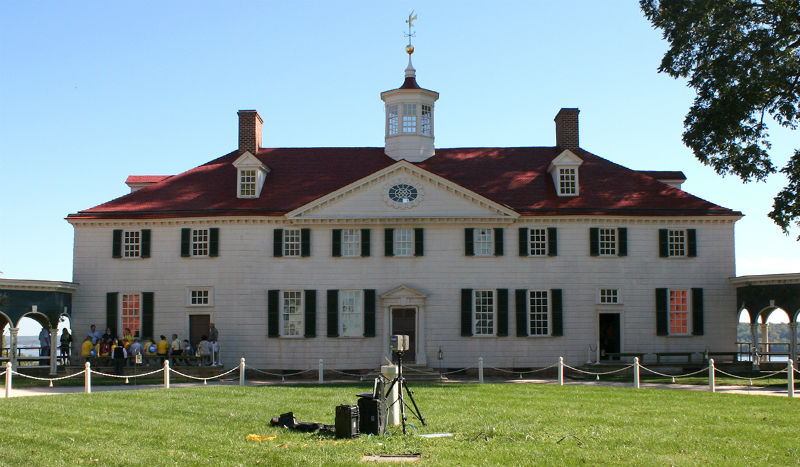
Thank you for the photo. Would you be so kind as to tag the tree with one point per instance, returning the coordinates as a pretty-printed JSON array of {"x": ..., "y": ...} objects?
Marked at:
[{"x": 742, "y": 57}]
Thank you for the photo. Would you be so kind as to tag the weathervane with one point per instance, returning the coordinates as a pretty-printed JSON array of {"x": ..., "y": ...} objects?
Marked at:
[{"x": 411, "y": 18}]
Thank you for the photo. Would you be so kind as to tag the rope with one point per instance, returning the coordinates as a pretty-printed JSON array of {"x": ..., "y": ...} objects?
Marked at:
[
  {"x": 13, "y": 372},
  {"x": 520, "y": 373},
  {"x": 599, "y": 374},
  {"x": 454, "y": 371},
  {"x": 205, "y": 378},
  {"x": 282, "y": 374},
  {"x": 107, "y": 375},
  {"x": 673, "y": 376},
  {"x": 359, "y": 376},
  {"x": 750, "y": 378}
]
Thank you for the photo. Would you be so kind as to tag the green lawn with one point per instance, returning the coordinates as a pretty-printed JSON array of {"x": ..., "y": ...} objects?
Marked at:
[{"x": 493, "y": 424}]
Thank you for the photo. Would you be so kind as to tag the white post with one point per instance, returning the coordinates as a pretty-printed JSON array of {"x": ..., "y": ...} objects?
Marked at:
[
  {"x": 393, "y": 404},
  {"x": 321, "y": 372},
  {"x": 241, "y": 372},
  {"x": 560, "y": 371},
  {"x": 712, "y": 382},
  {"x": 166, "y": 374},
  {"x": 8, "y": 379},
  {"x": 87, "y": 378},
  {"x": 636, "y": 372},
  {"x": 480, "y": 369},
  {"x": 790, "y": 377},
  {"x": 53, "y": 351},
  {"x": 12, "y": 346}
]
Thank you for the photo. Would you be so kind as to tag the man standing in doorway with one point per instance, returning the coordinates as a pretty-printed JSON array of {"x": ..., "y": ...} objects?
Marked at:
[
  {"x": 44, "y": 341},
  {"x": 213, "y": 338}
]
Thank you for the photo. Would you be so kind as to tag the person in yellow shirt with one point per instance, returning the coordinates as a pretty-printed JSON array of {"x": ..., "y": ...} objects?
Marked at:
[
  {"x": 162, "y": 347},
  {"x": 87, "y": 347},
  {"x": 127, "y": 338},
  {"x": 149, "y": 347}
]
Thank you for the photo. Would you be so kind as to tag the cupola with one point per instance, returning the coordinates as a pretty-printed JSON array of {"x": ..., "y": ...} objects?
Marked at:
[{"x": 409, "y": 118}]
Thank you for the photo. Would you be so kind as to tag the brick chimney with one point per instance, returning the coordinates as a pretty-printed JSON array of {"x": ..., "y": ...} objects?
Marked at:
[
  {"x": 567, "y": 128},
  {"x": 249, "y": 130}
]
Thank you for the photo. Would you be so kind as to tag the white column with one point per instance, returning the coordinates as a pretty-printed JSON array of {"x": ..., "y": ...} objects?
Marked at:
[
  {"x": 754, "y": 343},
  {"x": 321, "y": 372},
  {"x": 241, "y": 372},
  {"x": 560, "y": 371},
  {"x": 480, "y": 369},
  {"x": 9, "y": 367},
  {"x": 53, "y": 351},
  {"x": 712, "y": 381},
  {"x": 13, "y": 346},
  {"x": 636, "y": 372},
  {"x": 793, "y": 342},
  {"x": 87, "y": 378},
  {"x": 790, "y": 377},
  {"x": 166, "y": 374}
]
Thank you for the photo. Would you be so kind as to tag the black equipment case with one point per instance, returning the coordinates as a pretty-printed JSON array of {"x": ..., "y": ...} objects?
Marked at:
[
  {"x": 347, "y": 421},
  {"x": 372, "y": 413}
]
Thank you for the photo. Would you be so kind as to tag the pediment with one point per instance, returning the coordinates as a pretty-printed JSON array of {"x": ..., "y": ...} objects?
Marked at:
[
  {"x": 403, "y": 291},
  {"x": 402, "y": 190},
  {"x": 567, "y": 158},
  {"x": 249, "y": 160}
]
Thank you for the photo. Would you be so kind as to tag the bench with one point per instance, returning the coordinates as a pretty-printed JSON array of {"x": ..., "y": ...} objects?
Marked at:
[
  {"x": 734, "y": 356},
  {"x": 688, "y": 355},
  {"x": 190, "y": 360},
  {"x": 626, "y": 354}
]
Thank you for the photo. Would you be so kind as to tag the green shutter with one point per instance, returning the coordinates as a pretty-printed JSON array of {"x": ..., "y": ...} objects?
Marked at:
[
  {"x": 186, "y": 242},
  {"x": 213, "y": 242},
  {"x": 691, "y": 240},
  {"x": 498, "y": 241},
  {"x": 663, "y": 243},
  {"x": 116, "y": 244},
  {"x": 502, "y": 312},
  {"x": 336, "y": 242},
  {"x": 622, "y": 241},
  {"x": 469, "y": 249},
  {"x": 148, "y": 306},
  {"x": 365, "y": 247},
  {"x": 552, "y": 241},
  {"x": 273, "y": 313},
  {"x": 521, "y": 304},
  {"x": 524, "y": 243},
  {"x": 333, "y": 313},
  {"x": 305, "y": 243},
  {"x": 557, "y": 312},
  {"x": 310, "y": 303},
  {"x": 388, "y": 242},
  {"x": 369, "y": 312},
  {"x": 277, "y": 243},
  {"x": 697, "y": 312},
  {"x": 662, "y": 319},
  {"x": 145, "y": 251},
  {"x": 419, "y": 242},
  {"x": 111, "y": 311},
  {"x": 594, "y": 241},
  {"x": 466, "y": 312}
]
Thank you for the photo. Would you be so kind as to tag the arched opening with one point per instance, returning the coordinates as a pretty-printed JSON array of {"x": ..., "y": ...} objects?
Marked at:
[
  {"x": 5, "y": 336},
  {"x": 775, "y": 336},
  {"x": 33, "y": 339},
  {"x": 65, "y": 339}
]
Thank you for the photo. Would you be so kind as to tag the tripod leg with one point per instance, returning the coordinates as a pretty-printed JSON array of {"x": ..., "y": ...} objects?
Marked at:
[
  {"x": 416, "y": 409},
  {"x": 402, "y": 404}
]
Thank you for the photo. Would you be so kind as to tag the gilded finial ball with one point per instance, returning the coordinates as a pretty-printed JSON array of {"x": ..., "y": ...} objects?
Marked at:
[{"x": 409, "y": 49}]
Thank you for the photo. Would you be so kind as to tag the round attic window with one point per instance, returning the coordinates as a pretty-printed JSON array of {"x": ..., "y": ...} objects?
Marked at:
[{"x": 403, "y": 195}]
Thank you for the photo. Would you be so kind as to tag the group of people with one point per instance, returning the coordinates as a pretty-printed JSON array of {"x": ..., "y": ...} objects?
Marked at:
[
  {"x": 120, "y": 348},
  {"x": 65, "y": 342}
]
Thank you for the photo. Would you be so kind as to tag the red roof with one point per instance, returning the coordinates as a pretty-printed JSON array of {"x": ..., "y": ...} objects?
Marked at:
[
  {"x": 135, "y": 179},
  {"x": 514, "y": 177},
  {"x": 664, "y": 174}
]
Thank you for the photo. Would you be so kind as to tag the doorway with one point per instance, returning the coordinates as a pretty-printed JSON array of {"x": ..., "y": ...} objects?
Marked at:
[
  {"x": 609, "y": 337},
  {"x": 198, "y": 327},
  {"x": 404, "y": 321}
]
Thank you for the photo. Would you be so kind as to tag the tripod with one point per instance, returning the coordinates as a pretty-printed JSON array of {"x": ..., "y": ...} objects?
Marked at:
[{"x": 402, "y": 384}]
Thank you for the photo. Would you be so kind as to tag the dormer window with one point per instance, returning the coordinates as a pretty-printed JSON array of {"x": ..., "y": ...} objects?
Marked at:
[
  {"x": 567, "y": 181},
  {"x": 250, "y": 175},
  {"x": 564, "y": 169}
]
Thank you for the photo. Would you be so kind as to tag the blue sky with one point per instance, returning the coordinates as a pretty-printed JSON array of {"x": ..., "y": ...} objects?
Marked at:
[{"x": 92, "y": 92}]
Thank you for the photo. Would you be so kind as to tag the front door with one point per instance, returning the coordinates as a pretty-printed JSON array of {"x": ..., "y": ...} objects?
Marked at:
[
  {"x": 404, "y": 321},
  {"x": 609, "y": 337},
  {"x": 198, "y": 327}
]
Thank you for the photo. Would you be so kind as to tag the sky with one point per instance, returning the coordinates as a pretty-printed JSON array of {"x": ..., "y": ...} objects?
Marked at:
[{"x": 91, "y": 92}]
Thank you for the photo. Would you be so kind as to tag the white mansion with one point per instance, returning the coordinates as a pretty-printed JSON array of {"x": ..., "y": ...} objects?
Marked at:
[{"x": 517, "y": 255}]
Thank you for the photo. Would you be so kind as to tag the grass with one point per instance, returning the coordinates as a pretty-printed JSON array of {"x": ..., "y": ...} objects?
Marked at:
[{"x": 493, "y": 424}]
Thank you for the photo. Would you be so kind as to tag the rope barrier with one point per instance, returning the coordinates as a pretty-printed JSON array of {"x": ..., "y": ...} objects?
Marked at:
[
  {"x": 750, "y": 377},
  {"x": 359, "y": 376},
  {"x": 140, "y": 375},
  {"x": 673, "y": 376},
  {"x": 455, "y": 371},
  {"x": 36, "y": 378},
  {"x": 204, "y": 379},
  {"x": 601, "y": 373},
  {"x": 283, "y": 374},
  {"x": 538, "y": 370}
]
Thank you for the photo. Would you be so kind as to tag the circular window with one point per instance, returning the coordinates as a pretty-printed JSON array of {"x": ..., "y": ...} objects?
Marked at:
[{"x": 403, "y": 193}]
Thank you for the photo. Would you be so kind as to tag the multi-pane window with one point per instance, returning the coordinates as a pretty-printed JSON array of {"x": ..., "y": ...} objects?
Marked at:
[
  {"x": 291, "y": 242},
  {"x": 131, "y": 244},
  {"x": 247, "y": 183},
  {"x": 538, "y": 242},
  {"x": 679, "y": 312},
  {"x": 607, "y": 242},
  {"x": 200, "y": 297},
  {"x": 676, "y": 243},
  {"x": 482, "y": 242},
  {"x": 392, "y": 120},
  {"x": 351, "y": 242},
  {"x": 291, "y": 313},
  {"x": 409, "y": 118},
  {"x": 484, "y": 312},
  {"x": 131, "y": 312},
  {"x": 351, "y": 319},
  {"x": 425, "y": 124},
  {"x": 609, "y": 296},
  {"x": 200, "y": 242},
  {"x": 404, "y": 242},
  {"x": 567, "y": 181},
  {"x": 538, "y": 313}
]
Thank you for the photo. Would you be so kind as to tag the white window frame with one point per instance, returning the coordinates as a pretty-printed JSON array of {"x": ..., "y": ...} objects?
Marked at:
[
  {"x": 426, "y": 122},
  {"x": 567, "y": 181},
  {"x": 403, "y": 242},
  {"x": 200, "y": 248},
  {"x": 248, "y": 182},
  {"x": 194, "y": 297},
  {"x": 609, "y": 296},
  {"x": 292, "y": 243},
  {"x": 294, "y": 298},
  {"x": 677, "y": 245},
  {"x": 356, "y": 299},
  {"x": 548, "y": 317},
  {"x": 537, "y": 242},
  {"x": 122, "y": 324},
  {"x": 351, "y": 243},
  {"x": 409, "y": 120},
  {"x": 132, "y": 244},
  {"x": 485, "y": 239},
  {"x": 687, "y": 311},
  {"x": 607, "y": 239},
  {"x": 392, "y": 120},
  {"x": 479, "y": 312}
]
